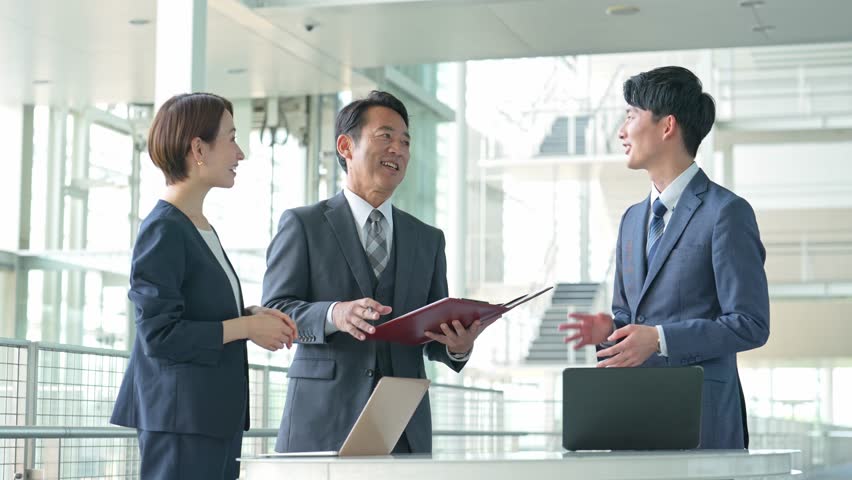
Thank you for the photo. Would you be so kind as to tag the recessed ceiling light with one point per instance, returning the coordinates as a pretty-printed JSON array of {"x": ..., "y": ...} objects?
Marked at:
[
  {"x": 762, "y": 28},
  {"x": 622, "y": 10},
  {"x": 138, "y": 22},
  {"x": 236, "y": 70},
  {"x": 41, "y": 81},
  {"x": 751, "y": 3}
]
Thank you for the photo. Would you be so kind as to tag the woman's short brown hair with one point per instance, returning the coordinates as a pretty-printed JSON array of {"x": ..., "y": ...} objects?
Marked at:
[{"x": 179, "y": 120}]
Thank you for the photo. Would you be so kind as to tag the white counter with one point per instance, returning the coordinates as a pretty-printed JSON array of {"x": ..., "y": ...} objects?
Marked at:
[{"x": 660, "y": 465}]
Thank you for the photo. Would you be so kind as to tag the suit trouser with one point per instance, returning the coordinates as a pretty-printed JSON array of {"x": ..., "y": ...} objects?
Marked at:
[{"x": 176, "y": 456}]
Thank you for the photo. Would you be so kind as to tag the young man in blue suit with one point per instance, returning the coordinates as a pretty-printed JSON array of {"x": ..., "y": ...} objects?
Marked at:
[{"x": 690, "y": 287}]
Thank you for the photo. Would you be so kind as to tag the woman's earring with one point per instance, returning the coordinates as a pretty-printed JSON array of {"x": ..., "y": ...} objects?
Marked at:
[{"x": 199, "y": 163}]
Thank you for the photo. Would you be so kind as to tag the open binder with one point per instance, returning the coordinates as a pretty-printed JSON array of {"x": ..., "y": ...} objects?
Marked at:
[{"x": 409, "y": 328}]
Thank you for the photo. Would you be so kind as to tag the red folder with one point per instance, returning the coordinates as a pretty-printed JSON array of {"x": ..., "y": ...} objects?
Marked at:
[{"x": 408, "y": 329}]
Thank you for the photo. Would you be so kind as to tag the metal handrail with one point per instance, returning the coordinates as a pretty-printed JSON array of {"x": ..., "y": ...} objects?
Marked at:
[
  {"x": 466, "y": 388},
  {"x": 56, "y": 347},
  {"x": 14, "y": 342},
  {"x": 61, "y": 348}
]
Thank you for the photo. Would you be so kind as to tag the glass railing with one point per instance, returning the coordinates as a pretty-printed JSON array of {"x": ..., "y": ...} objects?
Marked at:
[
  {"x": 56, "y": 400},
  {"x": 55, "y": 403}
]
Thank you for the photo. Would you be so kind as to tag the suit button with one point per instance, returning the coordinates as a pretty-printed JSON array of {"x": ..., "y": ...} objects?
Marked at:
[
  {"x": 369, "y": 372},
  {"x": 640, "y": 319}
]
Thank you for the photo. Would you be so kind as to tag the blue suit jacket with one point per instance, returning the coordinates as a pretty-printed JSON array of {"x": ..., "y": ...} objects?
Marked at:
[
  {"x": 317, "y": 258},
  {"x": 707, "y": 287},
  {"x": 180, "y": 377}
]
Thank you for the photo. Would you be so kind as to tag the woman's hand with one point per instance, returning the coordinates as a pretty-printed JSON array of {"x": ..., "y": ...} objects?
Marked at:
[{"x": 270, "y": 328}]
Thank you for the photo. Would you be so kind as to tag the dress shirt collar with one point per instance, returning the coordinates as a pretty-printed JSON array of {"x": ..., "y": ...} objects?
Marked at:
[
  {"x": 671, "y": 195},
  {"x": 361, "y": 209}
]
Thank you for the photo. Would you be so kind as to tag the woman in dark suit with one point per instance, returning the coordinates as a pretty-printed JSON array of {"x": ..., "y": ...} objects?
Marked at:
[{"x": 186, "y": 386}]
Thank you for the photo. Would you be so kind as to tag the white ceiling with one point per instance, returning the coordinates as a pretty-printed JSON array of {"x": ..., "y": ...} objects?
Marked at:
[
  {"x": 90, "y": 53},
  {"x": 370, "y": 33}
]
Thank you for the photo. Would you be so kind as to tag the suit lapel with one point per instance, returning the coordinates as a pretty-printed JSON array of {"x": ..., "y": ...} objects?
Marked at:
[
  {"x": 685, "y": 209},
  {"x": 403, "y": 248},
  {"x": 636, "y": 250},
  {"x": 339, "y": 217}
]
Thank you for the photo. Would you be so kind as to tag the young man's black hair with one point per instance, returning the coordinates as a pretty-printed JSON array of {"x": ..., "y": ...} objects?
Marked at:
[{"x": 674, "y": 91}]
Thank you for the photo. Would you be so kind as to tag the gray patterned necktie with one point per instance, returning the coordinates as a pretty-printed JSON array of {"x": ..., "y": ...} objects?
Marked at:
[
  {"x": 377, "y": 245},
  {"x": 655, "y": 230}
]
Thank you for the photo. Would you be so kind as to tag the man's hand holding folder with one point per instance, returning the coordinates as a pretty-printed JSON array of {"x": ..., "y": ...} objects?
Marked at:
[
  {"x": 457, "y": 339},
  {"x": 431, "y": 322}
]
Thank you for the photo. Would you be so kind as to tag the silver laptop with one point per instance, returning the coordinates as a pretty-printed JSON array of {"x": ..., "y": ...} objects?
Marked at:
[{"x": 381, "y": 422}]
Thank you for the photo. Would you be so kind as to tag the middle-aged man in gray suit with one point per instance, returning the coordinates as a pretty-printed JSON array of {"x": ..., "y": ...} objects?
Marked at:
[
  {"x": 340, "y": 264},
  {"x": 690, "y": 288}
]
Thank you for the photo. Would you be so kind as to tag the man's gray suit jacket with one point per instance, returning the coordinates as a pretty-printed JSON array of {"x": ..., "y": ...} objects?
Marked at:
[
  {"x": 317, "y": 258},
  {"x": 707, "y": 287}
]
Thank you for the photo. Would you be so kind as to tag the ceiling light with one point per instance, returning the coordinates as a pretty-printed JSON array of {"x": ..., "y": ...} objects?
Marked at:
[
  {"x": 138, "y": 22},
  {"x": 762, "y": 28},
  {"x": 622, "y": 10},
  {"x": 41, "y": 81},
  {"x": 751, "y": 3},
  {"x": 236, "y": 70}
]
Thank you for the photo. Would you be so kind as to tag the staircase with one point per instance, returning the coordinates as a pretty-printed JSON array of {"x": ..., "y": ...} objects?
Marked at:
[
  {"x": 559, "y": 141},
  {"x": 549, "y": 347}
]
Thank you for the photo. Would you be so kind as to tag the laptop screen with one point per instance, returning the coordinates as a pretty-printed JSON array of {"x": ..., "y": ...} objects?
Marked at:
[{"x": 631, "y": 408}]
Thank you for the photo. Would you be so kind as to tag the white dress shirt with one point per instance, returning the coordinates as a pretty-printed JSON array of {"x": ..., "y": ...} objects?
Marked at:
[
  {"x": 361, "y": 210},
  {"x": 669, "y": 197}
]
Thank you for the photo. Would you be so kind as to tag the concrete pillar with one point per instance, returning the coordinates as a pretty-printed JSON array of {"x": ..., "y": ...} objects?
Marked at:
[
  {"x": 55, "y": 223},
  {"x": 457, "y": 211},
  {"x": 181, "y": 48},
  {"x": 314, "y": 151},
  {"x": 585, "y": 205},
  {"x": 24, "y": 214},
  {"x": 78, "y": 229},
  {"x": 728, "y": 167}
]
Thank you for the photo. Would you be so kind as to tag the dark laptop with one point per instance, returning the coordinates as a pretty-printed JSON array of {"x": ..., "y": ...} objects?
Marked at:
[{"x": 631, "y": 408}]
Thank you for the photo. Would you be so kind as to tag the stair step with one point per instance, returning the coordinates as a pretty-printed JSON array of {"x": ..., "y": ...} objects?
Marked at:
[
  {"x": 551, "y": 340},
  {"x": 549, "y": 346},
  {"x": 562, "y": 355}
]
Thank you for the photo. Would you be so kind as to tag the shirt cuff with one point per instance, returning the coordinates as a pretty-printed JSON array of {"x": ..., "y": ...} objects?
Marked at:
[
  {"x": 459, "y": 357},
  {"x": 664, "y": 351},
  {"x": 330, "y": 327}
]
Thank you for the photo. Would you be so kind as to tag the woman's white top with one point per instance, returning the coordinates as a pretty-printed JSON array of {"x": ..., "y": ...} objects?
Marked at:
[{"x": 212, "y": 240}]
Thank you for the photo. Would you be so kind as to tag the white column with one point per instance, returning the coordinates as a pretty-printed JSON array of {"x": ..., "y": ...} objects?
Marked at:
[
  {"x": 314, "y": 151},
  {"x": 728, "y": 179},
  {"x": 585, "y": 227},
  {"x": 826, "y": 401},
  {"x": 457, "y": 211},
  {"x": 55, "y": 224},
  {"x": 181, "y": 48},
  {"x": 12, "y": 126},
  {"x": 704, "y": 69},
  {"x": 77, "y": 227}
]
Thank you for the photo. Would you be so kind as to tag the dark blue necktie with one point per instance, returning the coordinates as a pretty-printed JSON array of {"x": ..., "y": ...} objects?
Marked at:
[{"x": 655, "y": 231}]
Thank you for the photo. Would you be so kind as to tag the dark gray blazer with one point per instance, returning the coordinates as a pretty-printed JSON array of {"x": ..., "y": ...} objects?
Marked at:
[
  {"x": 316, "y": 259},
  {"x": 180, "y": 377},
  {"x": 707, "y": 287}
]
